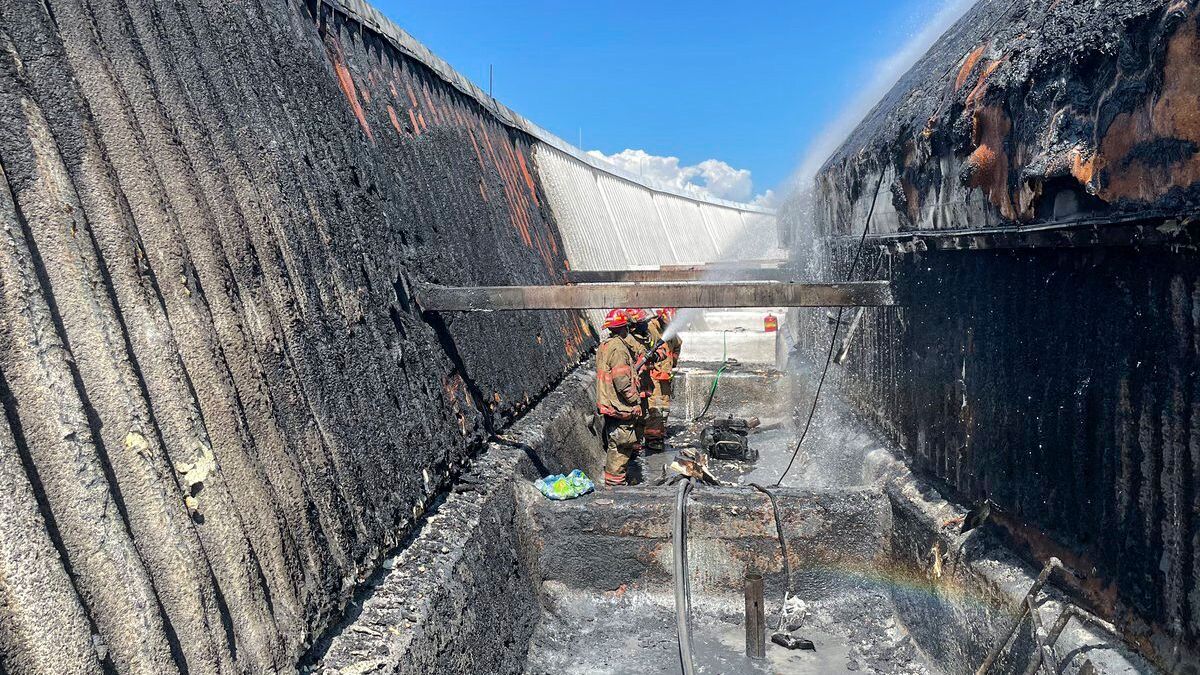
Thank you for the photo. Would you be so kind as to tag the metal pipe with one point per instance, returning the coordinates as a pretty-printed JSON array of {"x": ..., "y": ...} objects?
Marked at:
[
  {"x": 1044, "y": 655},
  {"x": 756, "y": 617},
  {"x": 683, "y": 591},
  {"x": 1051, "y": 565},
  {"x": 698, "y": 273},
  {"x": 1070, "y": 612},
  {"x": 844, "y": 350},
  {"x": 1083, "y": 615},
  {"x": 682, "y": 294}
]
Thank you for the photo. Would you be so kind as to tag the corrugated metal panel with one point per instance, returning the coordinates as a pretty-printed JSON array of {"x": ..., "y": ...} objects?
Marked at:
[
  {"x": 693, "y": 245},
  {"x": 726, "y": 228},
  {"x": 610, "y": 222},
  {"x": 636, "y": 222},
  {"x": 587, "y": 231},
  {"x": 627, "y": 212}
]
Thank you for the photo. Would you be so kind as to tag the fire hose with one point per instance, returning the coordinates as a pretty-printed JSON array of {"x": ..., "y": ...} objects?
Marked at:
[
  {"x": 712, "y": 391},
  {"x": 683, "y": 590}
]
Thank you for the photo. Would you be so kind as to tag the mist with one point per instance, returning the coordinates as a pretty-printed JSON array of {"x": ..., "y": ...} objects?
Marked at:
[{"x": 885, "y": 75}]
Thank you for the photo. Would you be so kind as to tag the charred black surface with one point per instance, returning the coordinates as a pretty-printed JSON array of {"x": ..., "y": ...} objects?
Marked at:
[
  {"x": 1025, "y": 105},
  {"x": 1052, "y": 367},
  {"x": 220, "y": 408},
  {"x": 1063, "y": 384}
]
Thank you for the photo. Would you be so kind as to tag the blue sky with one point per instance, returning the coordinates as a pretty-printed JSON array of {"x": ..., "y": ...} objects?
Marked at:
[{"x": 752, "y": 84}]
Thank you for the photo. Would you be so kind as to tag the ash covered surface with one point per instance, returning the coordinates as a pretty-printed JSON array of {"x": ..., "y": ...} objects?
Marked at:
[
  {"x": 220, "y": 407},
  {"x": 634, "y": 632},
  {"x": 1032, "y": 111}
]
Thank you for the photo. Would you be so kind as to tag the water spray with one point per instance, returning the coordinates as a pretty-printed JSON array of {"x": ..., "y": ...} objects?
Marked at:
[{"x": 833, "y": 340}]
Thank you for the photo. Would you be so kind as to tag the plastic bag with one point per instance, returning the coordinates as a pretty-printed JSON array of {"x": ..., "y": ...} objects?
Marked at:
[{"x": 559, "y": 487}]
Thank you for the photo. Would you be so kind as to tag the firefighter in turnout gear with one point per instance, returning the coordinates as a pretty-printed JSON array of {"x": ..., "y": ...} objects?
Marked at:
[
  {"x": 639, "y": 344},
  {"x": 661, "y": 373},
  {"x": 618, "y": 399}
]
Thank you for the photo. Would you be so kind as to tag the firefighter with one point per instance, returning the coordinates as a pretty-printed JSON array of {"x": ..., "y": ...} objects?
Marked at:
[
  {"x": 639, "y": 345},
  {"x": 661, "y": 373},
  {"x": 618, "y": 399}
]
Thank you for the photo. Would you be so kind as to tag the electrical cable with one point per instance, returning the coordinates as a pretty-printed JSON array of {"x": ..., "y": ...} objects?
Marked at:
[
  {"x": 787, "y": 564},
  {"x": 833, "y": 340}
]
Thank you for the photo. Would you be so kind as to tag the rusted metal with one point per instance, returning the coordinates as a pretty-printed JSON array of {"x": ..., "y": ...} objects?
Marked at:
[
  {"x": 1175, "y": 232},
  {"x": 1044, "y": 658},
  {"x": 958, "y": 141},
  {"x": 666, "y": 274},
  {"x": 1074, "y": 612},
  {"x": 1019, "y": 616},
  {"x": 603, "y": 296},
  {"x": 1070, "y": 612},
  {"x": 756, "y": 617}
]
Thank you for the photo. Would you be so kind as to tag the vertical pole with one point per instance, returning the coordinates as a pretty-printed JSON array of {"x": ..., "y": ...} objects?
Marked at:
[
  {"x": 756, "y": 620},
  {"x": 490, "y": 81}
]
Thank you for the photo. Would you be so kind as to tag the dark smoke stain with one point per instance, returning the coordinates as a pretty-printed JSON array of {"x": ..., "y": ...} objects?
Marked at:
[{"x": 1161, "y": 152}]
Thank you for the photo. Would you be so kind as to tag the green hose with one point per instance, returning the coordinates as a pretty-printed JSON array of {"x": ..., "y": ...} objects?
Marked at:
[{"x": 712, "y": 391}]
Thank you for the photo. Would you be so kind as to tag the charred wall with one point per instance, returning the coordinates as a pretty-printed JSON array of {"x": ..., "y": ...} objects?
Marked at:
[
  {"x": 1063, "y": 384},
  {"x": 1035, "y": 186},
  {"x": 220, "y": 408},
  {"x": 1032, "y": 112}
]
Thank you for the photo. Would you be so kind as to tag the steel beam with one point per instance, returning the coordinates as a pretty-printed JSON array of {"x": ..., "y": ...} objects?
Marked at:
[
  {"x": 604, "y": 296},
  {"x": 678, "y": 274}
]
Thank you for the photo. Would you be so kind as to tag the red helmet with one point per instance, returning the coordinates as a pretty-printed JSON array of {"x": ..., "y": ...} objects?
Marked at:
[
  {"x": 616, "y": 319},
  {"x": 634, "y": 315},
  {"x": 668, "y": 314}
]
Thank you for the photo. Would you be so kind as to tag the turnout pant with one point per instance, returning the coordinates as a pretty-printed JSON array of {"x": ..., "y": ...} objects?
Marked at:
[
  {"x": 658, "y": 410},
  {"x": 621, "y": 444}
]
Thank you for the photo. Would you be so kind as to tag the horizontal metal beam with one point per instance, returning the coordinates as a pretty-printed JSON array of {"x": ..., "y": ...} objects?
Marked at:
[
  {"x": 1180, "y": 232},
  {"x": 678, "y": 274},
  {"x": 605, "y": 296}
]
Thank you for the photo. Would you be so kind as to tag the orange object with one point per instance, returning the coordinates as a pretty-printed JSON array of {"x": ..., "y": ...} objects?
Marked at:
[
  {"x": 635, "y": 315},
  {"x": 770, "y": 323}
]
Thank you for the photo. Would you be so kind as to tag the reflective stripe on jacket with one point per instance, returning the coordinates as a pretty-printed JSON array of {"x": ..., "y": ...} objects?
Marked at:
[{"x": 617, "y": 393}]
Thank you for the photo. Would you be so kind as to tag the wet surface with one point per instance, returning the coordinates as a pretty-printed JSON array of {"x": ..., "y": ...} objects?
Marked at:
[
  {"x": 631, "y": 632},
  {"x": 832, "y": 454}
]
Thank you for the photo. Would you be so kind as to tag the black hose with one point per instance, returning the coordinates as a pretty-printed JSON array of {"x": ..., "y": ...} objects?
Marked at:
[
  {"x": 833, "y": 339},
  {"x": 683, "y": 590},
  {"x": 787, "y": 563}
]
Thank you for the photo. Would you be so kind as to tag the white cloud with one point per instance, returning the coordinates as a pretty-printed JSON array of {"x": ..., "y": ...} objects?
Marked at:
[{"x": 711, "y": 178}]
